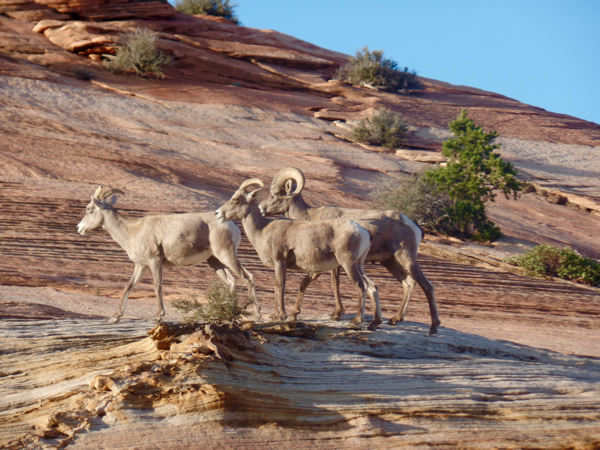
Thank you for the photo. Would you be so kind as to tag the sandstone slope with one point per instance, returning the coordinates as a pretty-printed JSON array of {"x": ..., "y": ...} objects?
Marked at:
[{"x": 302, "y": 386}]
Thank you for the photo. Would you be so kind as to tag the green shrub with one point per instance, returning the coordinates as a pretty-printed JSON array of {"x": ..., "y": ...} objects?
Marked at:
[
  {"x": 562, "y": 263},
  {"x": 471, "y": 175},
  {"x": 384, "y": 128},
  {"x": 372, "y": 68},
  {"x": 140, "y": 55},
  {"x": 485, "y": 231},
  {"x": 425, "y": 202},
  {"x": 220, "y": 8},
  {"x": 223, "y": 306},
  {"x": 421, "y": 201}
]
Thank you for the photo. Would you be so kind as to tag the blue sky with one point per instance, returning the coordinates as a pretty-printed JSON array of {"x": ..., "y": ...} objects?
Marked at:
[{"x": 544, "y": 53}]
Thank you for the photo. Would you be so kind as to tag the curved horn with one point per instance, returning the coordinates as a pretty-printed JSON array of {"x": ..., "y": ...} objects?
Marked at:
[
  {"x": 98, "y": 191},
  {"x": 101, "y": 194},
  {"x": 247, "y": 183},
  {"x": 278, "y": 184}
]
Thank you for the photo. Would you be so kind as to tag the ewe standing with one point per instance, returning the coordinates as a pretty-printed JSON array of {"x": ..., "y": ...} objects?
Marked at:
[
  {"x": 308, "y": 247},
  {"x": 168, "y": 240}
]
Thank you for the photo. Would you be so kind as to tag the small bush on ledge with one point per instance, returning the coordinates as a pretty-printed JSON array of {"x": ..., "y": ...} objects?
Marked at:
[
  {"x": 385, "y": 128},
  {"x": 223, "y": 306},
  {"x": 219, "y": 8},
  {"x": 373, "y": 69},
  {"x": 566, "y": 263},
  {"x": 421, "y": 201},
  {"x": 140, "y": 55}
]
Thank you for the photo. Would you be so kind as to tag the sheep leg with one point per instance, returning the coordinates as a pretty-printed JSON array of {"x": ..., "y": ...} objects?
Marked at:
[
  {"x": 222, "y": 272},
  {"x": 280, "y": 273},
  {"x": 229, "y": 259},
  {"x": 373, "y": 291},
  {"x": 353, "y": 272},
  {"x": 249, "y": 280},
  {"x": 408, "y": 283},
  {"x": 138, "y": 272},
  {"x": 412, "y": 267},
  {"x": 156, "y": 269},
  {"x": 309, "y": 278},
  {"x": 339, "y": 310}
]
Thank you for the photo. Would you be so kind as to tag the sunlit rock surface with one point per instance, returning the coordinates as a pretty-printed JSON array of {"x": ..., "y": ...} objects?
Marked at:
[{"x": 295, "y": 384}]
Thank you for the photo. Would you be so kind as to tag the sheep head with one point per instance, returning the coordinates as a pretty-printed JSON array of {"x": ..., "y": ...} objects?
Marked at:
[
  {"x": 287, "y": 184},
  {"x": 239, "y": 206},
  {"x": 94, "y": 218}
]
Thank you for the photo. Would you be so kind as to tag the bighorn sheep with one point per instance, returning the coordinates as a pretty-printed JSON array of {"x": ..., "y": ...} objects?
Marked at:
[
  {"x": 396, "y": 239},
  {"x": 168, "y": 240},
  {"x": 309, "y": 247}
]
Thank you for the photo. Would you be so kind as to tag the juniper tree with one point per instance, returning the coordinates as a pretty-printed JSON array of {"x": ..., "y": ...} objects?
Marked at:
[{"x": 472, "y": 175}]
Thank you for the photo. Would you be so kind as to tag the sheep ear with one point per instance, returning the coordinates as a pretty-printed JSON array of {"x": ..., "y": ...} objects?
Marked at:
[
  {"x": 252, "y": 194},
  {"x": 289, "y": 186},
  {"x": 113, "y": 200},
  {"x": 98, "y": 203}
]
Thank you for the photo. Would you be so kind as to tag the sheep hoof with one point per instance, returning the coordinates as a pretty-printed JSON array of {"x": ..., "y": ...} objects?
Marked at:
[
  {"x": 434, "y": 326},
  {"x": 394, "y": 321},
  {"x": 373, "y": 325},
  {"x": 113, "y": 320},
  {"x": 278, "y": 316}
]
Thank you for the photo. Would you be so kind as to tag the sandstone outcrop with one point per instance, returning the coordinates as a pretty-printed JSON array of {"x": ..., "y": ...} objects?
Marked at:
[{"x": 306, "y": 385}]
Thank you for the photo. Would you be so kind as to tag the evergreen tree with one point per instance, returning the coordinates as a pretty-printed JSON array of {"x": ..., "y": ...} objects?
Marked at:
[{"x": 471, "y": 176}]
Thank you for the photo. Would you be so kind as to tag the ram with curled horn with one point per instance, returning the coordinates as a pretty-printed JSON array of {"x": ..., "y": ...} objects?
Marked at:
[
  {"x": 396, "y": 239},
  {"x": 158, "y": 241},
  {"x": 307, "y": 247}
]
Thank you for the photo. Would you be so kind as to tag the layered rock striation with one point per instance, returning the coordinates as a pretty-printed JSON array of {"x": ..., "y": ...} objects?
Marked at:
[{"x": 305, "y": 386}]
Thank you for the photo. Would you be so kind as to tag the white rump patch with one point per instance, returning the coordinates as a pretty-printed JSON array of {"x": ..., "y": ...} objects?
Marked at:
[
  {"x": 414, "y": 227},
  {"x": 366, "y": 238}
]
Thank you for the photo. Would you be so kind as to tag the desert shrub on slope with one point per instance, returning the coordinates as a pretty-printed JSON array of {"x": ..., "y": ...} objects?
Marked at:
[
  {"x": 421, "y": 201},
  {"x": 384, "y": 128},
  {"x": 223, "y": 306},
  {"x": 140, "y": 55},
  {"x": 471, "y": 175},
  {"x": 372, "y": 68},
  {"x": 451, "y": 199},
  {"x": 566, "y": 263},
  {"x": 220, "y": 8}
]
